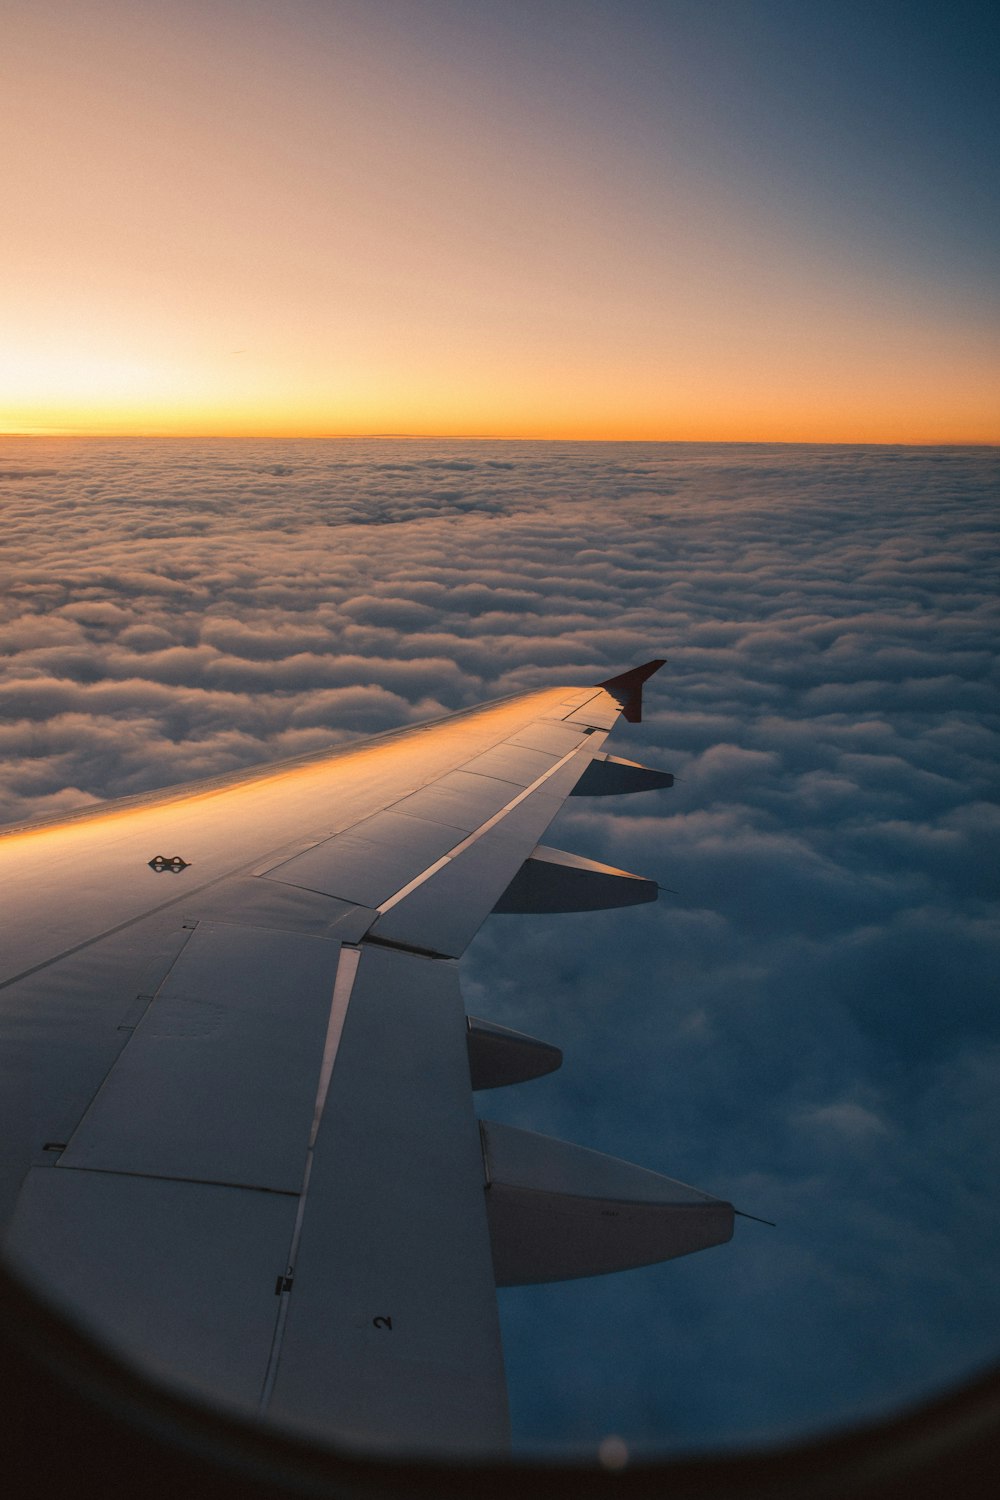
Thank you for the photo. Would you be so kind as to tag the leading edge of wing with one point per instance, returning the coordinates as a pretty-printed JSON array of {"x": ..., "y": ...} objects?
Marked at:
[
  {"x": 622, "y": 688},
  {"x": 72, "y": 878}
]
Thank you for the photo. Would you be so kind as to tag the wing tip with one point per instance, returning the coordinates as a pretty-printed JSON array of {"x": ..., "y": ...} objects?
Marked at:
[{"x": 627, "y": 687}]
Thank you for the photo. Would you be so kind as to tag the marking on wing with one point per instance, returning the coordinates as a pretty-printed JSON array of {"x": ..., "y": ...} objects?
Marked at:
[{"x": 186, "y": 899}]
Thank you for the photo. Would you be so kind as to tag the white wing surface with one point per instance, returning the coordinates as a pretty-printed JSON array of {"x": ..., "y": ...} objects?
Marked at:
[{"x": 239, "y": 1143}]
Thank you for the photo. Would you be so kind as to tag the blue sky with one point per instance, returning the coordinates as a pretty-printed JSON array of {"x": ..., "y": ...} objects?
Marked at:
[{"x": 871, "y": 124}]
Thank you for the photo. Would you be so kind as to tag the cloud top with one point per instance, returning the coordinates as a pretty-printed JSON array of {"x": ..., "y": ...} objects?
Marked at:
[{"x": 809, "y": 1027}]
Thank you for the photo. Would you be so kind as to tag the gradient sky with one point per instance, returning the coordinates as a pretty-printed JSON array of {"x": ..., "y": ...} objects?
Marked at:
[{"x": 696, "y": 219}]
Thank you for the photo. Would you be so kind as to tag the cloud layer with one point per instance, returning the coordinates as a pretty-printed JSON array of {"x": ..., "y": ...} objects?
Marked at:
[{"x": 808, "y": 1026}]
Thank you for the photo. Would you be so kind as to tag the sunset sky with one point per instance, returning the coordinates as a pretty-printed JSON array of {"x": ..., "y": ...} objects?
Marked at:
[{"x": 697, "y": 219}]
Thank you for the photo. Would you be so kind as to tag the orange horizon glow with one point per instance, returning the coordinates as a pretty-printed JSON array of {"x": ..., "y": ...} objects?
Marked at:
[
  {"x": 913, "y": 429},
  {"x": 292, "y": 435},
  {"x": 891, "y": 383},
  {"x": 798, "y": 402}
]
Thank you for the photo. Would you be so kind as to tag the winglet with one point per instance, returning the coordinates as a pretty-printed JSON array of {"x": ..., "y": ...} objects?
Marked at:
[{"x": 627, "y": 687}]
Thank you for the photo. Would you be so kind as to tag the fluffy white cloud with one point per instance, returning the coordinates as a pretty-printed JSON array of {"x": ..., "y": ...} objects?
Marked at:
[{"x": 809, "y": 1024}]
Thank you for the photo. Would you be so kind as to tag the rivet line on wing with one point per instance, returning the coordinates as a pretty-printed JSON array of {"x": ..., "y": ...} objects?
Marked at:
[{"x": 477, "y": 833}]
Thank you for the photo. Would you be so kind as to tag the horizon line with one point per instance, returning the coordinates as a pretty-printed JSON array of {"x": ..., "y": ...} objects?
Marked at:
[{"x": 487, "y": 437}]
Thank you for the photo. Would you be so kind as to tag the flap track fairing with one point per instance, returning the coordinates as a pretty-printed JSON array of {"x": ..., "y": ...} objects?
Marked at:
[
  {"x": 498, "y": 1056},
  {"x": 550, "y": 880},
  {"x": 611, "y": 776},
  {"x": 558, "y": 1211}
]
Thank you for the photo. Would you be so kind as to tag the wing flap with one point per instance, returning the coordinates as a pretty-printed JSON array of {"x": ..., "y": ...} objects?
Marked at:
[
  {"x": 178, "y": 1277},
  {"x": 392, "y": 1336},
  {"x": 443, "y": 914},
  {"x": 218, "y": 1081},
  {"x": 444, "y": 911}
]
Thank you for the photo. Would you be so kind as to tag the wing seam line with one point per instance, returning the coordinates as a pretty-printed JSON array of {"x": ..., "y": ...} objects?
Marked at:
[{"x": 343, "y": 986}]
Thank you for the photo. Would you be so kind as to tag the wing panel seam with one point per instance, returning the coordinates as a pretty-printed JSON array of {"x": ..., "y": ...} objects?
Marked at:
[
  {"x": 223, "y": 1182},
  {"x": 343, "y": 985}
]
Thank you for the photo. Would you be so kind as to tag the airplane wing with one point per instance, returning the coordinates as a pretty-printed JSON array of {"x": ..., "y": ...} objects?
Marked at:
[{"x": 239, "y": 1143}]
